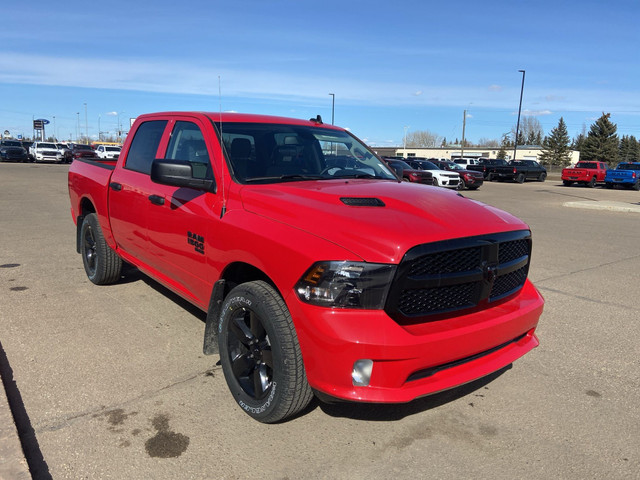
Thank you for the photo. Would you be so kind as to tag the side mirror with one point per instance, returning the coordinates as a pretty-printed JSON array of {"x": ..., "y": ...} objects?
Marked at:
[{"x": 178, "y": 173}]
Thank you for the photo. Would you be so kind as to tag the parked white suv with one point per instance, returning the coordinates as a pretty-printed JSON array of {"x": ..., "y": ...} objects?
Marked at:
[
  {"x": 441, "y": 178},
  {"x": 108, "y": 151},
  {"x": 466, "y": 161},
  {"x": 46, "y": 152}
]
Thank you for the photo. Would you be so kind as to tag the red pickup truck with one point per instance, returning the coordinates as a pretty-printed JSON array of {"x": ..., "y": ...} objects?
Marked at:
[
  {"x": 585, "y": 173},
  {"x": 320, "y": 271}
]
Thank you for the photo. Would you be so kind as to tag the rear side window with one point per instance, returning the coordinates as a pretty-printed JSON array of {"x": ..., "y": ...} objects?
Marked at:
[{"x": 144, "y": 146}]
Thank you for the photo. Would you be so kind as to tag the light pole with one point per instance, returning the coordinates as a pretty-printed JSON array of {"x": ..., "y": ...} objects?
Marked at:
[
  {"x": 99, "y": 132},
  {"x": 55, "y": 135},
  {"x": 515, "y": 143},
  {"x": 86, "y": 124},
  {"x": 333, "y": 106},
  {"x": 404, "y": 141},
  {"x": 77, "y": 125}
]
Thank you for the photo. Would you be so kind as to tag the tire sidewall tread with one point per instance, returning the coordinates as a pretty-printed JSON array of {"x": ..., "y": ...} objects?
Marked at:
[{"x": 290, "y": 391}]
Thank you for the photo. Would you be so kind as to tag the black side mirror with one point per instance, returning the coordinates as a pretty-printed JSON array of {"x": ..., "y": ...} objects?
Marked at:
[{"x": 178, "y": 173}]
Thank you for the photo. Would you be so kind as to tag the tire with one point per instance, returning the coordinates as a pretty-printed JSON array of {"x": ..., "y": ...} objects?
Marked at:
[
  {"x": 462, "y": 184},
  {"x": 608, "y": 185},
  {"x": 567, "y": 183},
  {"x": 636, "y": 186},
  {"x": 490, "y": 177},
  {"x": 435, "y": 182},
  {"x": 101, "y": 264},
  {"x": 260, "y": 354},
  {"x": 542, "y": 177},
  {"x": 592, "y": 183},
  {"x": 520, "y": 178}
]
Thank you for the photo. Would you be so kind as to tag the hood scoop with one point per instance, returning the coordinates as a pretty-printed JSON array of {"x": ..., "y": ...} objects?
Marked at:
[{"x": 362, "y": 201}]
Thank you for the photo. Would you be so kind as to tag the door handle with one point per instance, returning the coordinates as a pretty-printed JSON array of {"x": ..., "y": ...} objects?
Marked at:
[
  {"x": 156, "y": 199},
  {"x": 115, "y": 186}
]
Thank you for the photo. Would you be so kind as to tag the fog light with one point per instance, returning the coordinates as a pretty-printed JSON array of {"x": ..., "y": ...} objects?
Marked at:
[{"x": 361, "y": 373}]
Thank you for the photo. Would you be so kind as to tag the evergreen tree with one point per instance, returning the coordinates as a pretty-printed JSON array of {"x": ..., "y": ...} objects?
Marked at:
[
  {"x": 629, "y": 149},
  {"x": 555, "y": 147},
  {"x": 634, "y": 148},
  {"x": 502, "y": 153},
  {"x": 578, "y": 142},
  {"x": 602, "y": 141}
]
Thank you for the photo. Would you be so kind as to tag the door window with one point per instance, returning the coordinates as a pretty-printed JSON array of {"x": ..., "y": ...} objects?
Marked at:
[
  {"x": 187, "y": 144},
  {"x": 144, "y": 146}
]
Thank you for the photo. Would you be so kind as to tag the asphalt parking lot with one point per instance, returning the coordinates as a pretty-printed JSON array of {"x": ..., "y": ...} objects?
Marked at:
[{"x": 110, "y": 382}]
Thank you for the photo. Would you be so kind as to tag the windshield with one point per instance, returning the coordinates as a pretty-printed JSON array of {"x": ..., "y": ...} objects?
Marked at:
[
  {"x": 112, "y": 149},
  {"x": 454, "y": 166},
  {"x": 269, "y": 153},
  {"x": 47, "y": 145},
  {"x": 10, "y": 143}
]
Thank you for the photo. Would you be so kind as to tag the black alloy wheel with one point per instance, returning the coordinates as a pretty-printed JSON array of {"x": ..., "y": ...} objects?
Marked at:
[
  {"x": 89, "y": 250},
  {"x": 101, "y": 264},
  {"x": 250, "y": 353}
]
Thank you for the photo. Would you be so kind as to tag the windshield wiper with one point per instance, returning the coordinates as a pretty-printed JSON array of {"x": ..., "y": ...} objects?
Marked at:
[{"x": 293, "y": 176}]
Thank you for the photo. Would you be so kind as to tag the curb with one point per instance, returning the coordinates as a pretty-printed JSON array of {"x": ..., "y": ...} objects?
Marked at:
[
  {"x": 605, "y": 205},
  {"x": 13, "y": 464}
]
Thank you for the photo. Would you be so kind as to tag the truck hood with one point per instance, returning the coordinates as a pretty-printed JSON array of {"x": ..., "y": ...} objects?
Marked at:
[{"x": 401, "y": 216}]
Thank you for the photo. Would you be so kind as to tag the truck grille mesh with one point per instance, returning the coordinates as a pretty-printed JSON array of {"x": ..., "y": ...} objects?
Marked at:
[{"x": 434, "y": 280}]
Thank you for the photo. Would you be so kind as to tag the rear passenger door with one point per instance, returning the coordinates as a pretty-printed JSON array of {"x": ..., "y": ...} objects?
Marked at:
[{"x": 130, "y": 190}]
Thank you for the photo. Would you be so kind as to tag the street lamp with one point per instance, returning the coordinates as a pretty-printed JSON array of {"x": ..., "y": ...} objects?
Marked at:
[
  {"x": 333, "y": 106},
  {"x": 404, "y": 146},
  {"x": 77, "y": 125},
  {"x": 86, "y": 124},
  {"x": 515, "y": 143}
]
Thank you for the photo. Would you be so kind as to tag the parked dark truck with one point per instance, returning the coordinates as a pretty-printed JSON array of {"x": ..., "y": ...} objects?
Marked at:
[
  {"x": 520, "y": 170},
  {"x": 320, "y": 271},
  {"x": 584, "y": 173},
  {"x": 487, "y": 166}
]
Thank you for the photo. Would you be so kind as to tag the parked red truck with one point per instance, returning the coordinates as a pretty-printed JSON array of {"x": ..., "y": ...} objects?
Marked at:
[
  {"x": 585, "y": 173},
  {"x": 319, "y": 270}
]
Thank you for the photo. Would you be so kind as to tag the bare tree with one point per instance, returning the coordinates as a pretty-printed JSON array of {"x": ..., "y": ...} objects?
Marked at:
[
  {"x": 423, "y": 139},
  {"x": 489, "y": 142},
  {"x": 530, "y": 133}
]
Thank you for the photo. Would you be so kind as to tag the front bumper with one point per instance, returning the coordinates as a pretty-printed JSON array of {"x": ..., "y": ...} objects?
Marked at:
[{"x": 411, "y": 361}]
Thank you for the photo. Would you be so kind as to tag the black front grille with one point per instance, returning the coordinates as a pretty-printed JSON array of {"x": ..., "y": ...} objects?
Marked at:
[{"x": 436, "y": 279}]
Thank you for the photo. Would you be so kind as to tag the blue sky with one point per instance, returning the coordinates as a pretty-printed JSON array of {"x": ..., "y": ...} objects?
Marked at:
[{"x": 391, "y": 65}]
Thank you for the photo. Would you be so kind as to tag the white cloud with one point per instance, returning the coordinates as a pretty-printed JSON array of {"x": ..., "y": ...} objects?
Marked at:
[
  {"x": 537, "y": 113},
  {"x": 495, "y": 88}
]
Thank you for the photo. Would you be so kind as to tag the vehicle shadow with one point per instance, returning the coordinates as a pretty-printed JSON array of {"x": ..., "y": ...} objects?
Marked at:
[
  {"x": 131, "y": 274},
  {"x": 377, "y": 412}
]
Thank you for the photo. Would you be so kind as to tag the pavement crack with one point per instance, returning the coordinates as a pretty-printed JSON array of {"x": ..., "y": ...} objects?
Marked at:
[
  {"x": 587, "y": 269},
  {"x": 59, "y": 423},
  {"x": 587, "y": 299}
]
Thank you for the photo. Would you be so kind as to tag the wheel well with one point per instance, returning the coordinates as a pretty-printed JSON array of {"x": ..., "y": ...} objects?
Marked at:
[
  {"x": 239, "y": 272},
  {"x": 86, "y": 207}
]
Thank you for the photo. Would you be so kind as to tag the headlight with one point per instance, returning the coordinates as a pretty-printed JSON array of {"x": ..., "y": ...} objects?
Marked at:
[{"x": 346, "y": 284}]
